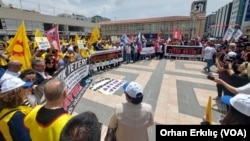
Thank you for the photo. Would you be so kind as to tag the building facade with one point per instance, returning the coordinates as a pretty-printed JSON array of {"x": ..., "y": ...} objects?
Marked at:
[
  {"x": 222, "y": 21},
  {"x": 209, "y": 26},
  {"x": 245, "y": 27},
  {"x": 238, "y": 8},
  {"x": 11, "y": 18},
  {"x": 150, "y": 27},
  {"x": 190, "y": 26}
]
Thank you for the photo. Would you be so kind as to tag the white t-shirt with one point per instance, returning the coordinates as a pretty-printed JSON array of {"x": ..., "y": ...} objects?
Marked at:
[
  {"x": 7, "y": 75},
  {"x": 209, "y": 52}
]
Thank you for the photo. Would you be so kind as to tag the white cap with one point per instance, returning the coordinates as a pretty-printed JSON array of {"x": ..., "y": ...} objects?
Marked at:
[
  {"x": 71, "y": 48},
  {"x": 232, "y": 54},
  {"x": 13, "y": 83},
  {"x": 132, "y": 89}
]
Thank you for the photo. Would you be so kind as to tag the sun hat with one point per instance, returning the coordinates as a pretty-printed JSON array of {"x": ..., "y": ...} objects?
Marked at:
[
  {"x": 13, "y": 83},
  {"x": 132, "y": 89},
  {"x": 241, "y": 102}
]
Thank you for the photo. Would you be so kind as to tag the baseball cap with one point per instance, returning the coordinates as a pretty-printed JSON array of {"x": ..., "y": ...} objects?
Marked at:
[
  {"x": 132, "y": 89},
  {"x": 13, "y": 83},
  {"x": 241, "y": 102},
  {"x": 232, "y": 54},
  {"x": 71, "y": 48}
]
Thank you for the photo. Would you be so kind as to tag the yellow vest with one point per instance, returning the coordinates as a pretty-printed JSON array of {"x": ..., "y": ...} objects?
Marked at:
[
  {"x": 3, "y": 62},
  {"x": 48, "y": 133},
  {"x": 6, "y": 115}
]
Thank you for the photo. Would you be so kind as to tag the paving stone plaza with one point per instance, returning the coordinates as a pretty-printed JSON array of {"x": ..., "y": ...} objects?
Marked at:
[{"x": 178, "y": 91}]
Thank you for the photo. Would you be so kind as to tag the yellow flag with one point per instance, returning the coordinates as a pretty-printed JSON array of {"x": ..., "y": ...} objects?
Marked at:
[
  {"x": 106, "y": 46},
  {"x": 91, "y": 49},
  {"x": 70, "y": 41},
  {"x": 84, "y": 40},
  {"x": 209, "y": 110},
  {"x": 37, "y": 34},
  {"x": 95, "y": 35},
  {"x": 19, "y": 48},
  {"x": 63, "y": 41},
  {"x": 76, "y": 39},
  {"x": 84, "y": 53},
  {"x": 10, "y": 40}
]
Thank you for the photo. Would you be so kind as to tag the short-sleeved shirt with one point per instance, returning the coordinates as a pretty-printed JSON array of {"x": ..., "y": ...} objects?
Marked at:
[{"x": 244, "y": 89}]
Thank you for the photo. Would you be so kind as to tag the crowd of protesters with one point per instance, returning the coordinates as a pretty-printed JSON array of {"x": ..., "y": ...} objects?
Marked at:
[
  {"x": 231, "y": 59},
  {"x": 31, "y": 100},
  {"x": 26, "y": 114}
]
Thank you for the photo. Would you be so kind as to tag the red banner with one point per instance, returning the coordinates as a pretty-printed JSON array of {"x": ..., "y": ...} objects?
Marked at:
[{"x": 53, "y": 38}]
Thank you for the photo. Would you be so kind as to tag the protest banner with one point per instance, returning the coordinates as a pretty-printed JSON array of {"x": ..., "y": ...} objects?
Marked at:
[
  {"x": 53, "y": 37},
  {"x": 107, "y": 86},
  {"x": 183, "y": 51},
  {"x": 106, "y": 57},
  {"x": 42, "y": 43},
  {"x": 147, "y": 51},
  {"x": 229, "y": 33}
]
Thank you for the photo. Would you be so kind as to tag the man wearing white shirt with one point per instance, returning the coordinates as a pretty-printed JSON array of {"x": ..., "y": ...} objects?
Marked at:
[
  {"x": 14, "y": 66},
  {"x": 208, "y": 56}
]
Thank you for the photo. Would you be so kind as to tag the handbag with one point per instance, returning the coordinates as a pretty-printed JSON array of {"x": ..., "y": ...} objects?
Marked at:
[{"x": 110, "y": 135}]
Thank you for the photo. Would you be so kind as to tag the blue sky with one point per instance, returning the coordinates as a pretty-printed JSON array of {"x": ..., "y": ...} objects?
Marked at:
[{"x": 116, "y": 9}]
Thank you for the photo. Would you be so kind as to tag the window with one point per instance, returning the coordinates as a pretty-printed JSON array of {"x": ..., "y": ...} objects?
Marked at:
[{"x": 247, "y": 18}]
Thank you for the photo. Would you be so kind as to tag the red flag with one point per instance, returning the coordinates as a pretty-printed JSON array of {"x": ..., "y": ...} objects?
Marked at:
[
  {"x": 132, "y": 38},
  {"x": 199, "y": 38},
  {"x": 175, "y": 33},
  {"x": 159, "y": 37},
  {"x": 53, "y": 38},
  {"x": 179, "y": 35}
]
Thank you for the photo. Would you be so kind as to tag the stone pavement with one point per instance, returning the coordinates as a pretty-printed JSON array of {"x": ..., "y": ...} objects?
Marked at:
[{"x": 178, "y": 91}]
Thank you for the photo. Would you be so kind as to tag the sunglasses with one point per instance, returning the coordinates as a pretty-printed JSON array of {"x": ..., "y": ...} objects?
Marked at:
[{"x": 50, "y": 62}]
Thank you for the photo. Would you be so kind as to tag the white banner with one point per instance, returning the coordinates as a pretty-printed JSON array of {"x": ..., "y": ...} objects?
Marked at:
[
  {"x": 229, "y": 33},
  {"x": 147, "y": 51},
  {"x": 107, "y": 86},
  {"x": 237, "y": 35},
  {"x": 80, "y": 44}
]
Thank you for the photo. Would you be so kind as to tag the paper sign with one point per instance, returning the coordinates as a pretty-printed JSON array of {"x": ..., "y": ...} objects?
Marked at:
[{"x": 42, "y": 43}]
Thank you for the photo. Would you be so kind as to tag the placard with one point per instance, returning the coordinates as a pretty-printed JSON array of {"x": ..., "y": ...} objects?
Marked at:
[{"x": 42, "y": 43}]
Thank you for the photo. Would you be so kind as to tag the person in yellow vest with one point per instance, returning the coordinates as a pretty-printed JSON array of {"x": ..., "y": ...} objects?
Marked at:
[
  {"x": 4, "y": 60},
  {"x": 45, "y": 122},
  {"x": 13, "y": 93},
  {"x": 71, "y": 53},
  {"x": 39, "y": 54}
]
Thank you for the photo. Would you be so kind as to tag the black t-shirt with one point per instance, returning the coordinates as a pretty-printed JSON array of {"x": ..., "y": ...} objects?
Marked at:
[
  {"x": 47, "y": 116},
  {"x": 238, "y": 81}
]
